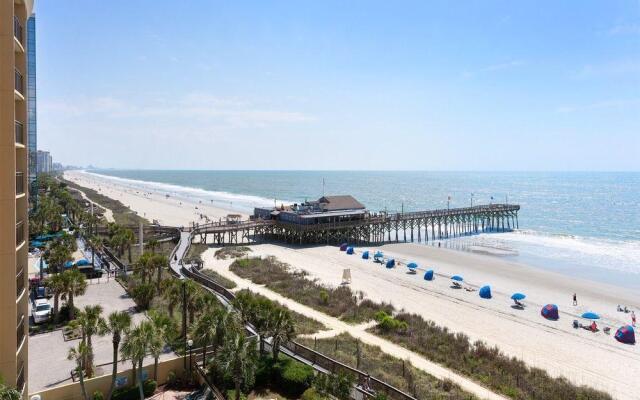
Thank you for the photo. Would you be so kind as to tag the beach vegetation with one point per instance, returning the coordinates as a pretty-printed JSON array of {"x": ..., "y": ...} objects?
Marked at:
[
  {"x": 392, "y": 370},
  {"x": 340, "y": 302},
  {"x": 507, "y": 375},
  {"x": 143, "y": 294},
  {"x": 118, "y": 324},
  {"x": 232, "y": 252},
  {"x": 221, "y": 280}
]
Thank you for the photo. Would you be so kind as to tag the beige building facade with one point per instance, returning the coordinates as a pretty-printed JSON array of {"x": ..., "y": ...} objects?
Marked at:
[{"x": 14, "y": 225}]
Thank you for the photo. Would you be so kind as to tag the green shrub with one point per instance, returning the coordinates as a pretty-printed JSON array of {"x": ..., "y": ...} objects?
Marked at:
[
  {"x": 231, "y": 395},
  {"x": 311, "y": 394},
  {"x": 132, "y": 392},
  {"x": 143, "y": 295},
  {"x": 97, "y": 395},
  {"x": 172, "y": 378},
  {"x": 324, "y": 297},
  {"x": 293, "y": 377}
]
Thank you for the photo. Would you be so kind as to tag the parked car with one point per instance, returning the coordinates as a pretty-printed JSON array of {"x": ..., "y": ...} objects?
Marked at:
[
  {"x": 40, "y": 292},
  {"x": 41, "y": 311}
]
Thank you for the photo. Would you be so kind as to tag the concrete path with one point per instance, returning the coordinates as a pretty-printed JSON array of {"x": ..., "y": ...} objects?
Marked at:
[
  {"x": 337, "y": 326},
  {"x": 180, "y": 253}
]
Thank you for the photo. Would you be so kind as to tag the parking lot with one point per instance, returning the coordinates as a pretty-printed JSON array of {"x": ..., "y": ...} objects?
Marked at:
[{"x": 48, "y": 364}]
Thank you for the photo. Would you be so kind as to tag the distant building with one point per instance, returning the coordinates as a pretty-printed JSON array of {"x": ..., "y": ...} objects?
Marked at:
[
  {"x": 32, "y": 136},
  {"x": 44, "y": 162},
  {"x": 326, "y": 209}
]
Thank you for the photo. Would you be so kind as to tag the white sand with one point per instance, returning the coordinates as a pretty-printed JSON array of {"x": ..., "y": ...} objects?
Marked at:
[
  {"x": 150, "y": 204},
  {"x": 583, "y": 357}
]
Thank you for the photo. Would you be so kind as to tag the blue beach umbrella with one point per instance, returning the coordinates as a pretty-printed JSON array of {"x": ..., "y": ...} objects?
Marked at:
[
  {"x": 343, "y": 247},
  {"x": 412, "y": 265},
  {"x": 82, "y": 261},
  {"x": 391, "y": 263},
  {"x": 68, "y": 264},
  {"x": 365, "y": 255},
  {"x": 485, "y": 292},
  {"x": 349, "y": 250},
  {"x": 518, "y": 296},
  {"x": 378, "y": 255},
  {"x": 457, "y": 278},
  {"x": 428, "y": 276},
  {"x": 590, "y": 315}
]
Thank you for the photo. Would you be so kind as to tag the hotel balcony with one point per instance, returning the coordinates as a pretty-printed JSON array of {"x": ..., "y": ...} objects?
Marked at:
[
  {"x": 20, "y": 283},
  {"x": 19, "y": 184},
  {"x": 18, "y": 35},
  {"x": 20, "y": 136},
  {"x": 20, "y": 234},
  {"x": 20, "y": 381},
  {"x": 18, "y": 92},
  {"x": 20, "y": 333}
]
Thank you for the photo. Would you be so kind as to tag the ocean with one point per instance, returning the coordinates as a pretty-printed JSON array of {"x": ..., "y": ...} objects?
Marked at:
[{"x": 579, "y": 224}]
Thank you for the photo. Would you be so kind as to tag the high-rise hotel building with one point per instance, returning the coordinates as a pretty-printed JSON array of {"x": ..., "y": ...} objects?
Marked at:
[{"x": 13, "y": 192}]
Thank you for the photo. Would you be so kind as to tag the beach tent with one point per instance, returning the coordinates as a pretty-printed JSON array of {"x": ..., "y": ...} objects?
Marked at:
[
  {"x": 349, "y": 250},
  {"x": 412, "y": 265},
  {"x": 83, "y": 261},
  {"x": 626, "y": 335},
  {"x": 343, "y": 247},
  {"x": 378, "y": 256},
  {"x": 457, "y": 278},
  {"x": 485, "y": 292},
  {"x": 365, "y": 255},
  {"x": 428, "y": 276},
  {"x": 391, "y": 263},
  {"x": 68, "y": 264},
  {"x": 590, "y": 315},
  {"x": 550, "y": 311}
]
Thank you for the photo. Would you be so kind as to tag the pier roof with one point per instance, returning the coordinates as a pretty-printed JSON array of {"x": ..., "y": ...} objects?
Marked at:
[{"x": 342, "y": 202}]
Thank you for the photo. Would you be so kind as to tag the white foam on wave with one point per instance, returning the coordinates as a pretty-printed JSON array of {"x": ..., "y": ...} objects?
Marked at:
[
  {"x": 232, "y": 201},
  {"x": 618, "y": 255}
]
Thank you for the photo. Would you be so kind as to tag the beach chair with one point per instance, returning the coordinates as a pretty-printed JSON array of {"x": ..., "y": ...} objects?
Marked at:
[
  {"x": 576, "y": 324},
  {"x": 456, "y": 284},
  {"x": 519, "y": 304},
  {"x": 606, "y": 330}
]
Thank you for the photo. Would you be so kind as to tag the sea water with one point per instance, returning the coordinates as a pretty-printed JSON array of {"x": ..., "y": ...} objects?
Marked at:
[{"x": 580, "y": 224}]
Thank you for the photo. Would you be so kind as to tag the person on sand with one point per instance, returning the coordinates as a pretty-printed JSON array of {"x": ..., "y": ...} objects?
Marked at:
[
  {"x": 594, "y": 326},
  {"x": 633, "y": 318},
  {"x": 575, "y": 300}
]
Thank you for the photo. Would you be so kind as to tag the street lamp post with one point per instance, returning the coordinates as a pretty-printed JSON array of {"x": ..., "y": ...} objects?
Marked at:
[{"x": 190, "y": 345}]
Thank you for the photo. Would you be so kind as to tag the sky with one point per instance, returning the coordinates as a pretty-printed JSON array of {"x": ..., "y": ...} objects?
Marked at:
[{"x": 349, "y": 85}]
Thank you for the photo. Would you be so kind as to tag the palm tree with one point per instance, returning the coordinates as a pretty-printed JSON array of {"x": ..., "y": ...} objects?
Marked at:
[
  {"x": 159, "y": 262},
  {"x": 75, "y": 285},
  {"x": 281, "y": 328},
  {"x": 79, "y": 355},
  {"x": 172, "y": 293},
  {"x": 56, "y": 283},
  {"x": 91, "y": 323},
  {"x": 8, "y": 393},
  {"x": 118, "y": 323},
  {"x": 238, "y": 358},
  {"x": 143, "y": 266},
  {"x": 128, "y": 238},
  {"x": 193, "y": 299},
  {"x": 166, "y": 331},
  {"x": 140, "y": 340},
  {"x": 153, "y": 244},
  {"x": 209, "y": 330}
]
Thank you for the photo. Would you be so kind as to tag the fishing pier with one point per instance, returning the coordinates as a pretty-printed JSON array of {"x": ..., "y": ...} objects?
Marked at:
[{"x": 337, "y": 219}]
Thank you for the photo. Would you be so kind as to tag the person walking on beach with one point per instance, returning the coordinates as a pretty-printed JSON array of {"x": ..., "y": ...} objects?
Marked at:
[
  {"x": 575, "y": 300},
  {"x": 633, "y": 318}
]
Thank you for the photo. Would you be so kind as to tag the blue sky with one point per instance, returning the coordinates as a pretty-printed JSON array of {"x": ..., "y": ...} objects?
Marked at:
[{"x": 468, "y": 85}]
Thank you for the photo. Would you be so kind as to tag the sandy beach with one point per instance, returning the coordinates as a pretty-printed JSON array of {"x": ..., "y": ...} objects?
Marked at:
[
  {"x": 166, "y": 208},
  {"x": 594, "y": 359}
]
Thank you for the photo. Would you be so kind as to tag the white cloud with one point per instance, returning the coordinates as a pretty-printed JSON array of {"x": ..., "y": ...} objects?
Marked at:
[
  {"x": 628, "y": 29},
  {"x": 613, "y": 68}
]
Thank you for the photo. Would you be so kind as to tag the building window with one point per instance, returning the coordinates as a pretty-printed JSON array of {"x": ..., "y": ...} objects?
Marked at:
[
  {"x": 19, "y": 183},
  {"x": 19, "y": 82},
  {"x": 17, "y": 29},
  {"x": 19, "y": 132},
  {"x": 19, "y": 282}
]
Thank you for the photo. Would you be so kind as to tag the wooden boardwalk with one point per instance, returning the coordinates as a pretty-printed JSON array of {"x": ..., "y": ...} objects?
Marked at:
[{"x": 421, "y": 226}]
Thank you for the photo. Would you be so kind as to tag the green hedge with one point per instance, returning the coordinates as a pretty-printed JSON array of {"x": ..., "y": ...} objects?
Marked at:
[
  {"x": 131, "y": 392},
  {"x": 292, "y": 377}
]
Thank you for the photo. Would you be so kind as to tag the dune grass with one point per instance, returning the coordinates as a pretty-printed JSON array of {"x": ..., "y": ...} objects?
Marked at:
[{"x": 339, "y": 302}]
